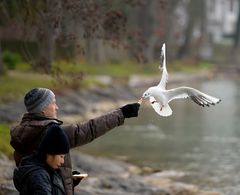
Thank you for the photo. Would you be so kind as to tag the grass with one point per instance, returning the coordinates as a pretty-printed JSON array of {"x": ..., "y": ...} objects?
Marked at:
[
  {"x": 5, "y": 147},
  {"x": 128, "y": 68},
  {"x": 190, "y": 66},
  {"x": 15, "y": 84},
  {"x": 124, "y": 69}
]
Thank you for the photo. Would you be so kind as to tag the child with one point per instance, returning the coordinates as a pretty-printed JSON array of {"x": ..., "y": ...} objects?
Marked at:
[{"x": 40, "y": 173}]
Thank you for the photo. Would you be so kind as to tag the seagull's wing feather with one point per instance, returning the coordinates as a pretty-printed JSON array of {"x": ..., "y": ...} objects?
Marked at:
[
  {"x": 177, "y": 93},
  {"x": 162, "y": 66},
  {"x": 197, "y": 96}
]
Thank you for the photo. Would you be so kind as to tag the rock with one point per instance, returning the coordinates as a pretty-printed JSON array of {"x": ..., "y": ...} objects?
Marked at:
[
  {"x": 146, "y": 81},
  {"x": 6, "y": 174},
  {"x": 94, "y": 165},
  {"x": 209, "y": 193},
  {"x": 178, "y": 188},
  {"x": 104, "y": 79},
  {"x": 118, "y": 177},
  {"x": 112, "y": 176},
  {"x": 108, "y": 177},
  {"x": 76, "y": 104}
]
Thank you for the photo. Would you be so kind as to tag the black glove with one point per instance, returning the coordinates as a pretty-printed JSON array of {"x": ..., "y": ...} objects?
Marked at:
[
  {"x": 77, "y": 180},
  {"x": 130, "y": 110}
]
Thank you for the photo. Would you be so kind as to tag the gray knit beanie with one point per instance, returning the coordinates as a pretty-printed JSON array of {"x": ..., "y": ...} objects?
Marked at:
[{"x": 37, "y": 99}]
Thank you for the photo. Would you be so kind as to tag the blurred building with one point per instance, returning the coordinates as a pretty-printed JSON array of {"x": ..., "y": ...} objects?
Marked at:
[{"x": 222, "y": 17}]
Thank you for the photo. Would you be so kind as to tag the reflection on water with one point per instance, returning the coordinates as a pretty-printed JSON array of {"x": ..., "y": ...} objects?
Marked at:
[{"x": 205, "y": 142}]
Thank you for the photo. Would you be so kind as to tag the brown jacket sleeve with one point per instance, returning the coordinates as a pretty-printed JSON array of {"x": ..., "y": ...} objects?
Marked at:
[{"x": 84, "y": 133}]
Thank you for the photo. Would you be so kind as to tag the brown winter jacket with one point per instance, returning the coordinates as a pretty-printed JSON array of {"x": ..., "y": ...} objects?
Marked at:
[{"x": 26, "y": 136}]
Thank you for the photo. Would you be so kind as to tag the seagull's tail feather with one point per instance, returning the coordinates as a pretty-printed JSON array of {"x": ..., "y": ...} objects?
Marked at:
[{"x": 165, "y": 111}]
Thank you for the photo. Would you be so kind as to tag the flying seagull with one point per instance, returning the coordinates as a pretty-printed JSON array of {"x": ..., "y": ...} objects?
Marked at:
[{"x": 159, "y": 96}]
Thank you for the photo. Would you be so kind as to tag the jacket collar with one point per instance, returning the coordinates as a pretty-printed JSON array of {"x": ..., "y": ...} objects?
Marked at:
[{"x": 39, "y": 117}]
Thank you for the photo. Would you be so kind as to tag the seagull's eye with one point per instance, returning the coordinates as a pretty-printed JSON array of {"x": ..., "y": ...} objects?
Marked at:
[{"x": 146, "y": 94}]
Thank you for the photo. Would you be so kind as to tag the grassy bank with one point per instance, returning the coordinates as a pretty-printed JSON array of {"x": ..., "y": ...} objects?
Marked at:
[
  {"x": 5, "y": 140},
  {"x": 15, "y": 83}
]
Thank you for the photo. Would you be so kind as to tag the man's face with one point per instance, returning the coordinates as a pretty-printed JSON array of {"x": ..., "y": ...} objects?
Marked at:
[
  {"x": 55, "y": 161},
  {"x": 51, "y": 110}
]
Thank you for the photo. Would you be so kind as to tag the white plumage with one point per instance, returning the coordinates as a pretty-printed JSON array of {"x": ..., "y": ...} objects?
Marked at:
[{"x": 159, "y": 97}]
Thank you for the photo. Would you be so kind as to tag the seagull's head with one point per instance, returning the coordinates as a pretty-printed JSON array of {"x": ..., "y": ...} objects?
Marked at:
[{"x": 146, "y": 94}]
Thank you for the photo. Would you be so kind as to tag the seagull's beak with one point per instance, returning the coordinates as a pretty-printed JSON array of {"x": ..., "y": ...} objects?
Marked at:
[{"x": 140, "y": 100}]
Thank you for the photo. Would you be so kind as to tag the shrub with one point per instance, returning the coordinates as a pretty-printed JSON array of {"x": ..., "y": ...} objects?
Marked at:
[
  {"x": 5, "y": 146},
  {"x": 10, "y": 59}
]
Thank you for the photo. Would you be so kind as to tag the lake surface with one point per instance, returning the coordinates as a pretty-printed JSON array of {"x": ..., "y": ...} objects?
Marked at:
[{"x": 204, "y": 142}]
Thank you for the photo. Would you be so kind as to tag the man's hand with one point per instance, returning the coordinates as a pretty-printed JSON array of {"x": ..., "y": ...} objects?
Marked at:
[{"x": 130, "y": 110}]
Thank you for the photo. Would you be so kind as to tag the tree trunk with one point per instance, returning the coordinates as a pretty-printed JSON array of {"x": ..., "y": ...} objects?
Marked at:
[
  {"x": 46, "y": 46},
  {"x": 171, "y": 26},
  {"x": 234, "y": 54},
  {"x": 1, "y": 61},
  {"x": 90, "y": 50},
  {"x": 79, "y": 47},
  {"x": 237, "y": 30},
  {"x": 100, "y": 51},
  {"x": 48, "y": 31},
  {"x": 184, "y": 49},
  {"x": 146, "y": 14},
  {"x": 204, "y": 44}
]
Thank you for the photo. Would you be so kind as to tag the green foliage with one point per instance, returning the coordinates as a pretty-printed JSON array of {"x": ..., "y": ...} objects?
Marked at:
[
  {"x": 23, "y": 67},
  {"x": 10, "y": 59},
  {"x": 5, "y": 146},
  {"x": 63, "y": 79},
  {"x": 123, "y": 69},
  {"x": 24, "y": 10},
  {"x": 15, "y": 84},
  {"x": 189, "y": 66}
]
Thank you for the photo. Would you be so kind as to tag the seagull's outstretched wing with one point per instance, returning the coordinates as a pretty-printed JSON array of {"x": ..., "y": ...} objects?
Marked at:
[
  {"x": 197, "y": 96},
  {"x": 162, "y": 66}
]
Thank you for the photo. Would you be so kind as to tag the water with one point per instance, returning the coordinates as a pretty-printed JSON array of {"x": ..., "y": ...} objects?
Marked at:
[{"x": 204, "y": 142}]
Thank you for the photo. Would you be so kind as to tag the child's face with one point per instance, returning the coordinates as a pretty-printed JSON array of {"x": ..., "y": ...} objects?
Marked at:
[{"x": 55, "y": 161}]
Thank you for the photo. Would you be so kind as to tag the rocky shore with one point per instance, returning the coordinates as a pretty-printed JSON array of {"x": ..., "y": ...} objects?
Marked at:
[
  {"x": 77, "y": 105},
  {"x": 111, "y": 177},
  {"x": 106, "y": 177}
]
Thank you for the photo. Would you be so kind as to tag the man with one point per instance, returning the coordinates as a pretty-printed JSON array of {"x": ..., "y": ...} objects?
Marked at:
[
  {"x": 42, "y": 111},
  {"x": 39, "y": 173}
]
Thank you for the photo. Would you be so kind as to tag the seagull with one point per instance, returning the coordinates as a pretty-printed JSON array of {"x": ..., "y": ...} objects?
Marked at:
[{"x": 160, "y": 97}]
